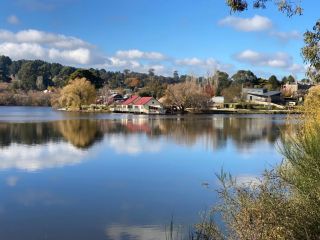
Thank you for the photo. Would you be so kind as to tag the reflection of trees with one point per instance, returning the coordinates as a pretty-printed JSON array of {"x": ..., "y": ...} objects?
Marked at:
[
  {"x": 27, "y": 133},
  {"x": 81, "y": 133},
  {"x": 246, "y": 131},
  {"x": 189, "y": 130},
  {"x": 213, "y": 131}
]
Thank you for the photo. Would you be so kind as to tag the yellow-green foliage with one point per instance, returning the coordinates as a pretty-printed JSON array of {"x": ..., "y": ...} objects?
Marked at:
[
  {"x": 285, "y": 204},
  {"x": 80, "y": 133},
  {"x": 311, "y": 107},
  {"x": 77, "y": 93}
]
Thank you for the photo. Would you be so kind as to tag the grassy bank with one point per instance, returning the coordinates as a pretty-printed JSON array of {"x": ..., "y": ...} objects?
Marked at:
[{"x": 93, "y": 108}]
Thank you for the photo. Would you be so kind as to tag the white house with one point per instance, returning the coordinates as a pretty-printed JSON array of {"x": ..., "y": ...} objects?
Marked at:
[{"x": 136, "y": 104}]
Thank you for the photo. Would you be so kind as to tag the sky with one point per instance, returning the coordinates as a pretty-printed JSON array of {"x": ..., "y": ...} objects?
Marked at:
[{"x": 192, "y": 36}]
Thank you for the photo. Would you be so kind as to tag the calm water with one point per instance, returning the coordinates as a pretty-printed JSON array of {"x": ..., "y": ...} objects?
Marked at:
[{"x": 113, "y": 176}]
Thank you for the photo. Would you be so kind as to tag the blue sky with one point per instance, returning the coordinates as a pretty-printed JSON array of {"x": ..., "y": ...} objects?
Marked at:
[{"x": 191, "y": 36}]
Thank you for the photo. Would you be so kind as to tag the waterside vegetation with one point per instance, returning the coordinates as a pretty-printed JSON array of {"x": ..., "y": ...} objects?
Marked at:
[{"x": 39, "y": 83}]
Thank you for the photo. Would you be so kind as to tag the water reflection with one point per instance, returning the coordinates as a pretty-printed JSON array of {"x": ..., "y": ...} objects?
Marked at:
[
  {"x": 129, "y": 175},
  {"x": 84, "y": 133},
  {"x": 80, "y": 133},
  {"x": 120, "y": 232},
  {"x": 34, "y": 158}
]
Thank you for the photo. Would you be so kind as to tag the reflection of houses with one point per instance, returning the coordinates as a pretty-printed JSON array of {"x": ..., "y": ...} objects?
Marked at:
[
  {"x": 136, "y": 104},
  {"x": 261, "y": 95}
]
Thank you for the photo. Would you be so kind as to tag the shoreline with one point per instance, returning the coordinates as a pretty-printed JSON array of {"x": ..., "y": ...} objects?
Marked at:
[{"x": 210, "y": 111}]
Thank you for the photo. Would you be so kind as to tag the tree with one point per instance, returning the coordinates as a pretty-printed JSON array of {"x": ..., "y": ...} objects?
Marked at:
[
  {"x": 274, "y": 82},
  {"x": 55, "y": 69},
  {"x": 209, "y": 90},
  {"x": 40, "y": 83},
  {"x": 289, "y": 7},
  {"x": 104, "y": 94},
  {"x": 305, "y": 80},
  {"x": 151, "y": 72},
  {"x": 284, "y": 80},
  {"x": 220, "y": 81},
  {"x": 61, "y": 79},
  {"x": 311, "y": 52},
  {"x": 245, "y": 77},
  {"x": 15, "y": 66},
  {"x": 28, "y": 75},
  {"x": 291, "y": 79},
  {"x": 186, "y": 95},
  {"x": 232, "y": 93},
  {"x": 132, "y": 82},
  {"x": 175, "y": 76},
  {"x": 153, "y": 88},
  {"x": 5, "y": 63},
  {"x": 90, "y": 75},
  {"x": 77, "y": 93}
]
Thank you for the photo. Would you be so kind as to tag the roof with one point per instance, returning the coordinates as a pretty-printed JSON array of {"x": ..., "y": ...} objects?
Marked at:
[
  {"x": 265, "y": 94},
  {"x": 143, "y": 100},
  {"x": 130, "y": 100},
  {"x": 254, "y": 90},
  {"x": 271, "y": 93}
]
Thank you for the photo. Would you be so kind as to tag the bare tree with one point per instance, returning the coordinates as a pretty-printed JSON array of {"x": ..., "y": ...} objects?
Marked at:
[
  {"x": 104, "y": 94},
  {"x": 186, "y": 95}
]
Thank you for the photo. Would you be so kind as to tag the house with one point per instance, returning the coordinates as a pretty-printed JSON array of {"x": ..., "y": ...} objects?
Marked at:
[
  {"x": 136, "y": 104},
  {"x": 295, "y": 90},
  {"x": 114, "y": 97},
  {"x": 261, "y": 95},
  {"x": 217, "y": 102}
]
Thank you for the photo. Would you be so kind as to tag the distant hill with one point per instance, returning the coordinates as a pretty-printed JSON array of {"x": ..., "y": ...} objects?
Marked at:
[{"x": 38, "y": 75}]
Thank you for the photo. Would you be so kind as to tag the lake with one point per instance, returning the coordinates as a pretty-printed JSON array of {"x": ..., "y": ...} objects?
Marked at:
[{"x": 120, "y": 176}]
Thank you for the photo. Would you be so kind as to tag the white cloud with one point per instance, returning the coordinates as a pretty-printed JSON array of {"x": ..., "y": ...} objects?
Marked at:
[
  {"x": 286, "y": 36},
  {"x": 274, "y": 60},
  {"x": 132, "y": 144},
  {"x": 138, "y": 65},
  {"x": 80, "y": 55},
  {"x": 12, "y": 181},
  {"x": 36, "y": 158},
  {"x": 22, "y": 50},
  {"x": 190, "y": 61},
  {"x": 13, "y": 19},
  {"x": 34, "y": 44},
  {"x": 298, "y": 68},
  {"x": 254, "y": 24},
  {"x": 137, "y": 54},
  {"x": 248, "y": 180},
  {"x": 258, "y": 24},
  {"x": 117, "y": 232},
  {"x": 40, "y": 37},
  {"x": 195, "y": 65}
]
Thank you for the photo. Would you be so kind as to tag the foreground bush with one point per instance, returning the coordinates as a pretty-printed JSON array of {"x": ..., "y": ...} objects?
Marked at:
[{"x": 285, "y": 203}]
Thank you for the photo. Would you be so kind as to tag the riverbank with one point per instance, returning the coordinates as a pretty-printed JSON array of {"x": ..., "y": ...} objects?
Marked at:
[
  {"x": 251, "y": 111},
  {"x": 190, "y": 111}
]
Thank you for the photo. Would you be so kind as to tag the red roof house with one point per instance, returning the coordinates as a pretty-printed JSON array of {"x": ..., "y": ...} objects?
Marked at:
[{"x": 136, "y": 104}]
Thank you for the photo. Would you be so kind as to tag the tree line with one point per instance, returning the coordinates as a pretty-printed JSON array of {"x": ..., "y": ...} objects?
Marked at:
[{"x": 38, "y": 75}]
